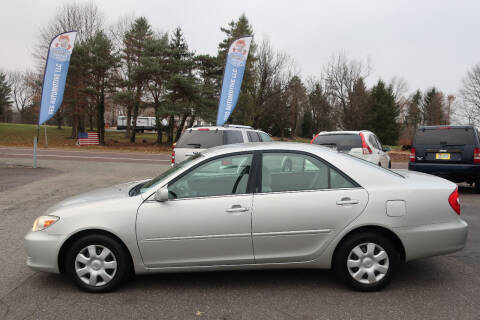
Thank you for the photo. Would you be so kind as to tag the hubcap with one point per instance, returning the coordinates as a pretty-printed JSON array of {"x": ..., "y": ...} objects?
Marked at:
[
  {"x": 368, "y": 263},
  {"x": 95, "y": 265}
]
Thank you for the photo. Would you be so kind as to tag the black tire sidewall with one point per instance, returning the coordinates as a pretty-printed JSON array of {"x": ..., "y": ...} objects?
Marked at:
[
  {"x": 121, "y": 256},
  {"x": 340, "y": 260}
]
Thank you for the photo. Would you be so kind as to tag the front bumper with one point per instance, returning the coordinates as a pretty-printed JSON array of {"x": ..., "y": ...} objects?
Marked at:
[
  {"x": 452, "y": 171},
  {"x": 42, "y": 251},
  {"x": 433, "y": 239}
]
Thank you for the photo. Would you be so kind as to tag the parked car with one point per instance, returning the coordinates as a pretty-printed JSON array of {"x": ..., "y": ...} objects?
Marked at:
[
  {"x": 195, "y": 140},
  {"x": 362, "y": 144},
  {"x": 252, "y": 206},
  {"x": 451, "y": 152}
]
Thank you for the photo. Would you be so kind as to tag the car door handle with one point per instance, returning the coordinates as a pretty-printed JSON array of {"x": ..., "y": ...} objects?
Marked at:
[
  {"x": 236, "y": 208},
  {"x": 347, "y": 201}
]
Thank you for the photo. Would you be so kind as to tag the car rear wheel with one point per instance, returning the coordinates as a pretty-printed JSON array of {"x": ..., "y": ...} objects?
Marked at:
[
  {"x": 477, "y": 185},
  {"x": 366, "y": 261},
  {"x": 97, "y": 263}
]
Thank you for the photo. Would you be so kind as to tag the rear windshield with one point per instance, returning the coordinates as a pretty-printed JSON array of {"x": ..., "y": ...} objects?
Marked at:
[
  {"x": 342, "y": 142},
  {"x": 447, "y": 136},
  {"x": 200, "y": 139},
  {"x": 204, "y": 139}
]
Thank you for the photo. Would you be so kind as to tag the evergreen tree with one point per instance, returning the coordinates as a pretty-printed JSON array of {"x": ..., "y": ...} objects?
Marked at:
[
  {"x": 322, "y": 111},
  {"x": 183, "y": 96},
  {"x": 432, "y": 107},
  {"x": 245, "y": 108},
  {"x": 135, "y": 42},
  {"x": 5, "y": 101},
  {"x": 384, "y": 113},
  {"x": 156, "y": 65},
  {"x": 101, "y": 62}
]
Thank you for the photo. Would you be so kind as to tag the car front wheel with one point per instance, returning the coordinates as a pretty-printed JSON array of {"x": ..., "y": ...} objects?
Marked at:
[
  {"x": 97, "y": 263},
  {"x": 366, "y": 261}
]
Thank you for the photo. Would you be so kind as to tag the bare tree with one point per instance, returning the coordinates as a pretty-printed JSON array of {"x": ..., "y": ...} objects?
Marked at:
[
  {"x": 342, "y": 78},
  {"x": 269, "y": 66},
  {"x": 86, "y": 18},
  {"x": 470, "y": 94},
  {"x": 22, "y": 92}
]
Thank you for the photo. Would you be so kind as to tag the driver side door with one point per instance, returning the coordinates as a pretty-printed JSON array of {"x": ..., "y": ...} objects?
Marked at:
[{"x": 205, "y": 222}]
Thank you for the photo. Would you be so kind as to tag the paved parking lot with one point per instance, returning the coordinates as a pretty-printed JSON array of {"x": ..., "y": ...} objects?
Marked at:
[{"x": 443, "y": 287}]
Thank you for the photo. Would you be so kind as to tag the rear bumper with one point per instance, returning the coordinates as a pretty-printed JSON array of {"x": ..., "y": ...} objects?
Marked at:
[
  {"x": 455, "y": 172},
  {"x": 433, "y": 239}
]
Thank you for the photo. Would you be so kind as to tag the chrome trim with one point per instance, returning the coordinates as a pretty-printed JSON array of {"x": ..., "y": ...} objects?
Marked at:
[
  {"x": 289, "y": 233},
  {"x": 214, "y": 236}
]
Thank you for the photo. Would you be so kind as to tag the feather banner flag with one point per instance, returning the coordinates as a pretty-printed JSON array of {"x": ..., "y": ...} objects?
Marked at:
[
  {"x": 232, "y": 77},
  {"x": 55, "y": 75}
]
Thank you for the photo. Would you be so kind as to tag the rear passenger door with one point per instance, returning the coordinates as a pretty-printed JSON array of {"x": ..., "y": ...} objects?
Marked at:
[{"x": 300, "y": 203}]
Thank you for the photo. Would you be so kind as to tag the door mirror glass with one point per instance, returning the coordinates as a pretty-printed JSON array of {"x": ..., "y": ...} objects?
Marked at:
[{"x": 161, "y": 195}]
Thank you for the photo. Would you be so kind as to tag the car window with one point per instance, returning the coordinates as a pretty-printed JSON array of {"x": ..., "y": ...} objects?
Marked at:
[
  {"x": 253, "y": 136},
  {"x": 265, "y": 137},
  {"x": 232, "y": 136},
  {"x": 444, "y": 136},
  {"x": 149, "y": 185},
  {"x": 341, "y": 142},
  {"x": 295, "y": 172},
  {"x": 372, "y": 141},
  {"x": 222, "y": 176},
  {"x": 380, "y": 147},
  {"x": 203, "y": 139}
]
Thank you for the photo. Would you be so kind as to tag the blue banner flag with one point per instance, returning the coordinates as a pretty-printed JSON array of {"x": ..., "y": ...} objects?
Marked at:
[
  {"x": 55, "y": 74},
  {"x": 232, "y": 77}
]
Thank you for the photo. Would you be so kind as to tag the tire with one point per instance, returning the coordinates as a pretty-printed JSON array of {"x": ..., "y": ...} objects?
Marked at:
[
  {"x": 389, "y": 164},
  {"x": 477, "y": 185},
  {"x": 111, "y": 263},
  {"x": 372, "y": 274}
]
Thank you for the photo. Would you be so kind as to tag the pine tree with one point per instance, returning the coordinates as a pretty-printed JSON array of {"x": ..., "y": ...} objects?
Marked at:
[
  {"x": 101, "y": 61},
  {"x": 5, "y": 101},
  {"x": 384, "y": 113},
  {"x": 135, "y": 42},
  {"x": 245, "y": 108}
]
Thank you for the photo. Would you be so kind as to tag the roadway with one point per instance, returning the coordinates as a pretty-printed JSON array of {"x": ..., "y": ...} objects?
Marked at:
[{"x": 81, "y": 155}]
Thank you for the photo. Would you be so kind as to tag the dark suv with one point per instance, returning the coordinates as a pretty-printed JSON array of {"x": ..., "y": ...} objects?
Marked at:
[{"x": 451, "y": 152}]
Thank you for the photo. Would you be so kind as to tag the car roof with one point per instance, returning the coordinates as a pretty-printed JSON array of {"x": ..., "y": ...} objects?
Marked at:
[
  {"x": 342, "y": 132},
  {"x": 274, "y": 145},
  {"x": 231, "y": 127},
  {"x": 445, "y": 126}
]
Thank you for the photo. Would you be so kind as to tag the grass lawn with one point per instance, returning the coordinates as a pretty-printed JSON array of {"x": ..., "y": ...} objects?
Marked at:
[{"x": 21, "y": 135}]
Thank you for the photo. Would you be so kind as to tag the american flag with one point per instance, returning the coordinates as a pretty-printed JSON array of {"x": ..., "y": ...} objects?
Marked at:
[{"x": 89, "y": 138}]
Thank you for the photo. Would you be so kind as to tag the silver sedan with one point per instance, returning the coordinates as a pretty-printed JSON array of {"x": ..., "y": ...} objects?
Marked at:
[{"x": 269, "y": 205}]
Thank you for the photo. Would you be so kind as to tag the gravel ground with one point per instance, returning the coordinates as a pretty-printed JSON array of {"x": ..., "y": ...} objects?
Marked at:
[{"x": 437, "y": 288}]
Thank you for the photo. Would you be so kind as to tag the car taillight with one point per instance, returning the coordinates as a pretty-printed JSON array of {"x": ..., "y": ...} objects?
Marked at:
[
  {"x": 454, "y": 201},
  {"x": 476, "y": 155},
  {"x": 412, "y": 154},
  {"x": 365, "y": 148},
  {"x": 173, "y": 153},
  {"x": 311, "y": 142}
]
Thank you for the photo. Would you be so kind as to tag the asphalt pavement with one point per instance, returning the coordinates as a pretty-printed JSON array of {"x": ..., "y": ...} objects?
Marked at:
[
  {"x": 444, "y": 287},
  {"x": 80, "y": 155}
]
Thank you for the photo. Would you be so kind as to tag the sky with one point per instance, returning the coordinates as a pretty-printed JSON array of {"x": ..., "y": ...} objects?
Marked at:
[{"x": 427, "y": 43}]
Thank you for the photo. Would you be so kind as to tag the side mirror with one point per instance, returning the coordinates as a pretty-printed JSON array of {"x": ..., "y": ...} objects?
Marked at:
[
  {"x": 387, "y": 149},
  {"x": 161, "y": 195}
]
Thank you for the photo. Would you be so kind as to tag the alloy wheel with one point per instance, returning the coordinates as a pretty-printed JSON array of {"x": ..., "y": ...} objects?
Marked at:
[
  {"x": 368, "y": 263},
  {"x": 95, "y": 265}
]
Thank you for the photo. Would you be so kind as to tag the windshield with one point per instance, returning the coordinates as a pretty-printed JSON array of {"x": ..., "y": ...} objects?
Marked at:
[
  {"x": 201, "y": 139},
  {"x": 342, "y": 142},
  {"x": 373, "y": 165},
  {"x": 154, "y": 182},
  {"x": 444, "y": 136}
]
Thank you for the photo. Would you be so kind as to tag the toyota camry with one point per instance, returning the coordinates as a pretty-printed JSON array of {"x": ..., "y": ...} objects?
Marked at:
[{"x": 252, "y": 206}]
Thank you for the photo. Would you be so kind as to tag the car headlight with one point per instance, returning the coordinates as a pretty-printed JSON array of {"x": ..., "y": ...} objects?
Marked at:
[{"x": 44, "y": 222}]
